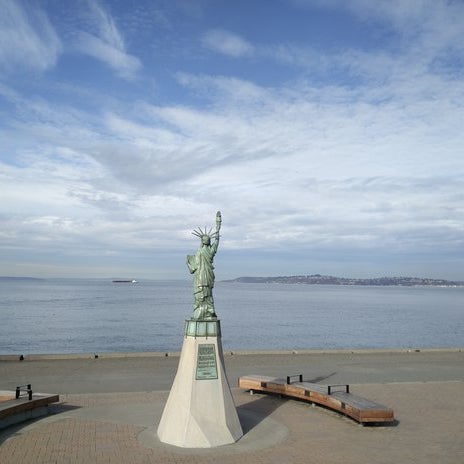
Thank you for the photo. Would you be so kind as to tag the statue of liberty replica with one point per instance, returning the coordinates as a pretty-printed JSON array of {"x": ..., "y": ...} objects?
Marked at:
[
  {"x": 201, "y": 266},
  {"x": 200, "y": 411}
]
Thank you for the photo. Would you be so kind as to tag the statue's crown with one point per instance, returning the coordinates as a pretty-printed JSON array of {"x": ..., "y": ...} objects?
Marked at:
[{"x": 203, "y": 233}]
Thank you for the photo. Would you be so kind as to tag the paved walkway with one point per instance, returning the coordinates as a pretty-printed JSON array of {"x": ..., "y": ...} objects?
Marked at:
[{"x": 120, "y": 427}]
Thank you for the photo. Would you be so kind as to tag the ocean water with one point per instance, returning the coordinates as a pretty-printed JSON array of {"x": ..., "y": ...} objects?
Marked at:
[{"x": 96, "y": 316}]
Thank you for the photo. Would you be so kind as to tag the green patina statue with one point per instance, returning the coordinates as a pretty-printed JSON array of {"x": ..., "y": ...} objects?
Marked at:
[{"x": 201, "y": 266}]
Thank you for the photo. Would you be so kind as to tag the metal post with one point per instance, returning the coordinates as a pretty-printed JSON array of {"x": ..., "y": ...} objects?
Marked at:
[{"x": 289, "y": 377}]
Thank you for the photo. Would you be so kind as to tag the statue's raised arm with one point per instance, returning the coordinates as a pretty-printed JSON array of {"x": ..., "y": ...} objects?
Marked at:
[
  {"x": 201, "y": 266},
  {"x": 216, "y": 234}
]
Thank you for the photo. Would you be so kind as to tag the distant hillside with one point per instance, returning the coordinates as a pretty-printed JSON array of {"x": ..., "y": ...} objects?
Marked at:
[
  {"x": 318, "y": 279},
  {"x": 18, "y": 278}
]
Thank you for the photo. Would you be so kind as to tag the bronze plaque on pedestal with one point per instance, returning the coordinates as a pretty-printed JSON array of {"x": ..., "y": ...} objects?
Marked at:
[{"x": 206, "y": 362}]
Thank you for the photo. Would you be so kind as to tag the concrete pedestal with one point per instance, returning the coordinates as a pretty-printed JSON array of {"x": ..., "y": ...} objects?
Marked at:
[{"x": 200, "y": 411}]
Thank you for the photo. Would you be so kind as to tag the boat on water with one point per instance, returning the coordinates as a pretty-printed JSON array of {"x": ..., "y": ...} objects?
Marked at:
[{"x": 133, "y": 281}]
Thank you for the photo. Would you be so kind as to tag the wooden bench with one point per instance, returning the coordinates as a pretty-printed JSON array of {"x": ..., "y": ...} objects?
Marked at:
[
  {"x": 335, "y": 397},
  {"x": 16, "y": 408}
]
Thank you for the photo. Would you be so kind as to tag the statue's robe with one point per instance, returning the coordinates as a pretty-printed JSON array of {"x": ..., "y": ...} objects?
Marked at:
[{"x": 201, "y": 266}]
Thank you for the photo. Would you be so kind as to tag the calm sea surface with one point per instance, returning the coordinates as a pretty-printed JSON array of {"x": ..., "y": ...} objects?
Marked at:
[{"x": 82, "y": 316}]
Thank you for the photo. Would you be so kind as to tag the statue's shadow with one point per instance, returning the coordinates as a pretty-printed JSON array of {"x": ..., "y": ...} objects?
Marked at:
[{"x": 257, "y": 410}]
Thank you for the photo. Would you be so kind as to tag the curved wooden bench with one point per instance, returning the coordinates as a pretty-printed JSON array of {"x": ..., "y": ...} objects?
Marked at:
[
  {"x": 335, "y": 397},
  {"x": 18, "y": 409}
]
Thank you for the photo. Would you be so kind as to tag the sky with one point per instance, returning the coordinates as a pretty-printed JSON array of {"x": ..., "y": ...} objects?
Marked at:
[{"x": 329, "y": 133}]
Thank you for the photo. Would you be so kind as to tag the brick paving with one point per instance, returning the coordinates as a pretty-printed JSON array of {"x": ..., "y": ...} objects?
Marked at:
[{"x": 100, "y": 428}]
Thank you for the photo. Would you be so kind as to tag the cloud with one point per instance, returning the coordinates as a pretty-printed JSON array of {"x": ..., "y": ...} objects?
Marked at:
[
  {"x": 430, "y": 29},
  {"x": 104, "y": 42},
  {"x": 227, "y": 43},
  {"x": 27, "y": 38},
  {"x": 221, "y": 88},
  {"x": 289, "y": 161},
  {"x": 125, "y": 65},
  {"x": 360, "y": 151},
  {"x": 423, "y": 37}
]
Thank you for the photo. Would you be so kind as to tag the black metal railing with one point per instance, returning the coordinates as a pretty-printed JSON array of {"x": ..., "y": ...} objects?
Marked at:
[
  {"x": 331, "y": 387},
  {"x": 23, "y": 390},
  {"x": 289, "y": 378}
]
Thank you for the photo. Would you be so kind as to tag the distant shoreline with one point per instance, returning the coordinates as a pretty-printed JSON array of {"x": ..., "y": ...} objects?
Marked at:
[{"x": 317, "y": 279}]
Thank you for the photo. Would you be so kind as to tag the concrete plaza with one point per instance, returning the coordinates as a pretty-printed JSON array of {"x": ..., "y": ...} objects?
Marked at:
[{"x": 110, "y": 408}]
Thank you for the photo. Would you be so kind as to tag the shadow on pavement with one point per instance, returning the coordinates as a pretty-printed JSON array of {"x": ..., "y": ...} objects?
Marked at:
[
  {"x": 262, "y": 405},
  {"x": 14, "y": 430}
]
